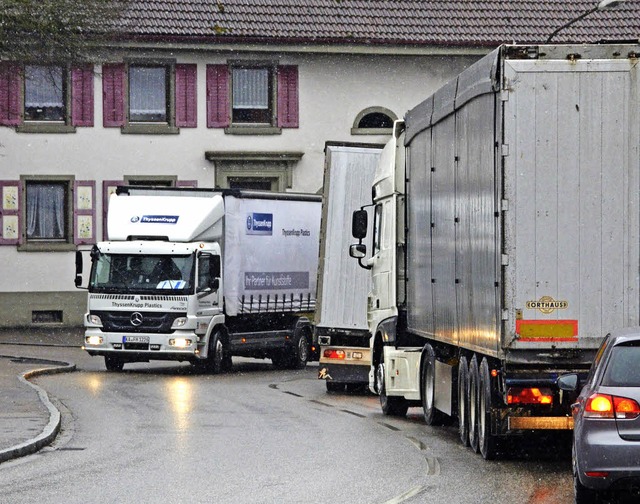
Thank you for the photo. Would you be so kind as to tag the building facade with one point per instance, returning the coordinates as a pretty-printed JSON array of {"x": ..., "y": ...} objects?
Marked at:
[{"x": 186, "y": 109}]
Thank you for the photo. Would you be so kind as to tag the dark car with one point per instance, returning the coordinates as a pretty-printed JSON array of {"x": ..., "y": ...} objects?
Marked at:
[{"x": 606, "y": 437}]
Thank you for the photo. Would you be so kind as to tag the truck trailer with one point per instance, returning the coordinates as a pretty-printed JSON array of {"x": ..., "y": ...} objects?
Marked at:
[
  {"x": 341, "y": 325},
  {"x": 506, "y": 238},
  {"x": 202, "y": 275}
]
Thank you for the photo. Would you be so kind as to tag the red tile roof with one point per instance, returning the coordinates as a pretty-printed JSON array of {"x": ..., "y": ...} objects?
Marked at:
[{"x": 472, "y": 23}]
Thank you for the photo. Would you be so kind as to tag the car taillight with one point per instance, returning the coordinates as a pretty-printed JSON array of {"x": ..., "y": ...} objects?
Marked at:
[
  {"x": 517, "y": 395},
  {"x": 334, "y": 354},
  {"x": 607, "y": 406},
  {"x": 626, "y": 409}
]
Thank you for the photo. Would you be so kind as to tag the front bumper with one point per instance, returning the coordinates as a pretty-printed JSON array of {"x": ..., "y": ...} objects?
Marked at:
[{"x": 178, "y": 345}]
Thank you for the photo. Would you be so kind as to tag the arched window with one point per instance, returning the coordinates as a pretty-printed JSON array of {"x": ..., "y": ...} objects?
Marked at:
[{"x": 374, "y": 121}]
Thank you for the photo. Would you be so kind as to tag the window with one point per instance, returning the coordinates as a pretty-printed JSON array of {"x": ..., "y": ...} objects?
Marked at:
[
  {"x": 46, "y": 211},
  {"x": 46, "y": 99},
  {"x": 45, "y": 91},
  {"x": 252, "y": 98},
  {"x": 374, "y": 121},
  {"x": 149, "y": 97},
  {"x": 148, "y": 94}
]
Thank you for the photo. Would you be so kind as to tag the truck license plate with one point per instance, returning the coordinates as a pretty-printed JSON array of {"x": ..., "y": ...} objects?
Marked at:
[{"x": 135, "y": 339}]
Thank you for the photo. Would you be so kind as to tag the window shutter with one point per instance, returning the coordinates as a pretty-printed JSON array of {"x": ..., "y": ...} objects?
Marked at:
[
  {"x": 217, "y": 96},
  {"x": 10, "y": 230},
  {"x": 113, "y": 95},
  {"x": 84, "y": 212},
  {"x": 108, "y": 187},
  {"x": 10, "y": 85},
  {"x": 288, "y": 96},
  {"x": 82, "y": 95},
  {"x": 186, "y": 92}
]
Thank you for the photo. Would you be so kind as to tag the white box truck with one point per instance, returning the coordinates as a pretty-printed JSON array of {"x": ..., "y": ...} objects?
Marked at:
[
  {"x": 202, "y": 275},
  {"x": 341, "y": 327},
  {"x": 511, "y": 197}
]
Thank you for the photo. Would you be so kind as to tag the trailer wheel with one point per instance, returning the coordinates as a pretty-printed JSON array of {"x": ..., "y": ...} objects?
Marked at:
[
  {"x": 392, "y": 406},
  {"x": 431, "y": 415},
  {"x": 488, "y": 443},
  {"x": 113, "y": 363},
  {"x": 463, "y": 401},
  {"x": 472, "y": 400}
]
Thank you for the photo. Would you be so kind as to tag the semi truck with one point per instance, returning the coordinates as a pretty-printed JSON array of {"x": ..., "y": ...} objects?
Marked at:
[
  {"x": 341, "y": 327},
  {"x": 506, "y": 238},
  {"x": 201, "y": 275}
]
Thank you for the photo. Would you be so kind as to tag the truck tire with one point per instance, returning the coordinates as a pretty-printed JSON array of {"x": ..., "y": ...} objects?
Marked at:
[
  {"x": 472, "y": 401},
  {"x": 463, "y": 401},
  {"x": 113, "y": 363},
  {"x": 428, "y": 390},
  {"x": 218, "y": 358},
  {"x": 391, "y": 406},
  {"x": 335, "y": 387},
  {"x": 300, "y": 353},
  {"x": 488, "y": 443}
]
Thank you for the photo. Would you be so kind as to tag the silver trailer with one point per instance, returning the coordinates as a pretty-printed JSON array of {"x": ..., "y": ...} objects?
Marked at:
[
  {"x": 522, "y": 237},
  {"x": 343, "y": 287}
]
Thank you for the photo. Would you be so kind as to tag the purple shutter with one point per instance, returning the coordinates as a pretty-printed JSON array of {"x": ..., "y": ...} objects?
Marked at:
[
  {"x": 10, "y": 200},
  {"x": 288, "y": 96},
  {"x": 186, "y": 89},
  {"x": 113, "y": 95},
  {"x": 217, "y": 96},
  {"x": 108, "y": 187},
  {"x": 10, "y": 85},
  {"x": 82, "y": 95},
  {"x": 84, "y": 212}
]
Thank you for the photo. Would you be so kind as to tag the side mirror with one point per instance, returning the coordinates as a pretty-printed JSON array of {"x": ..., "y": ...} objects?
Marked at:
[
  {"x": 359, "y": 224},
  {"x": 215, "y": 284},
  {"x": 568, "y": 382},
  {"x": 79, "y": 278},
  {"x": 358, "y": 250}
]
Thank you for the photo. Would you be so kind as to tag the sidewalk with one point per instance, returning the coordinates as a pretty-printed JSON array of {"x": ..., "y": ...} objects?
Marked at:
[{"x": 28, "y": 420}]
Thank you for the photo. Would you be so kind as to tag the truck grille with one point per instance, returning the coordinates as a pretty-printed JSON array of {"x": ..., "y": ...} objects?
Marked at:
[{"x": 148, "y": 321}]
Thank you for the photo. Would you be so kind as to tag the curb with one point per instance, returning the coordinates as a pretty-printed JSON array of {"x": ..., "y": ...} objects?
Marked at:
[{"x": 51, "y": 430}]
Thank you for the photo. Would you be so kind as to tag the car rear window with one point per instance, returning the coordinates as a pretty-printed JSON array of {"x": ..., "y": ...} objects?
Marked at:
[{"x": 623, "y": 368}]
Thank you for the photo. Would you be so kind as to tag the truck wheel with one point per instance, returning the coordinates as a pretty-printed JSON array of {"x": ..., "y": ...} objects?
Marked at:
[
  {"x": 334, "y": 386},
  {"x": 488, "y": 443},
  {"x": 300, "y": 353},
  {"x": 431, "y": 415},
  {"x": 463, "y": 404},
  {"x": 392, "y": 406},
  {"x": 472, "y": 401},
  {"x": 113, "y": 363},
  {"x": 217, "y": 359}
]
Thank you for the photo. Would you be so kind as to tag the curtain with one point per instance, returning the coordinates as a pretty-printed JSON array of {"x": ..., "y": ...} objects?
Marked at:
[
  {"x": 147, "y": 93},
  {"x": 43, "y": 86},
  {"x": 45, "y": 211},
  {"x": 250, "y": 88}
]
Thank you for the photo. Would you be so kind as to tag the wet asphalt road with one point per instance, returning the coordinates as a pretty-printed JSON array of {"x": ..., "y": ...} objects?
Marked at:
[{"x": 160, "y": 433}]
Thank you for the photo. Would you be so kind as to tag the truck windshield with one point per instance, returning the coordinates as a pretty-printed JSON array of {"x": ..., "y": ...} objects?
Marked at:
[{"x": 142, "y": 273}]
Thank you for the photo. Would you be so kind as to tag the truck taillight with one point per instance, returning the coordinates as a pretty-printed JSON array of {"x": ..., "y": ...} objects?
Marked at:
[
  {"x": 517, "y": 395},
  {"x": 334, "y": 354},
  {"x": 606, "y": 406}
]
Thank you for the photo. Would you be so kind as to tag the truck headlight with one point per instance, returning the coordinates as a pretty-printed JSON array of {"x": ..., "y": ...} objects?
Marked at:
[
  {"x": 179, "y": 322},
  {"x": 94, "y": 320},
  {"x": 180, "y": 342},
  {"x": 93, "y": 340}
]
